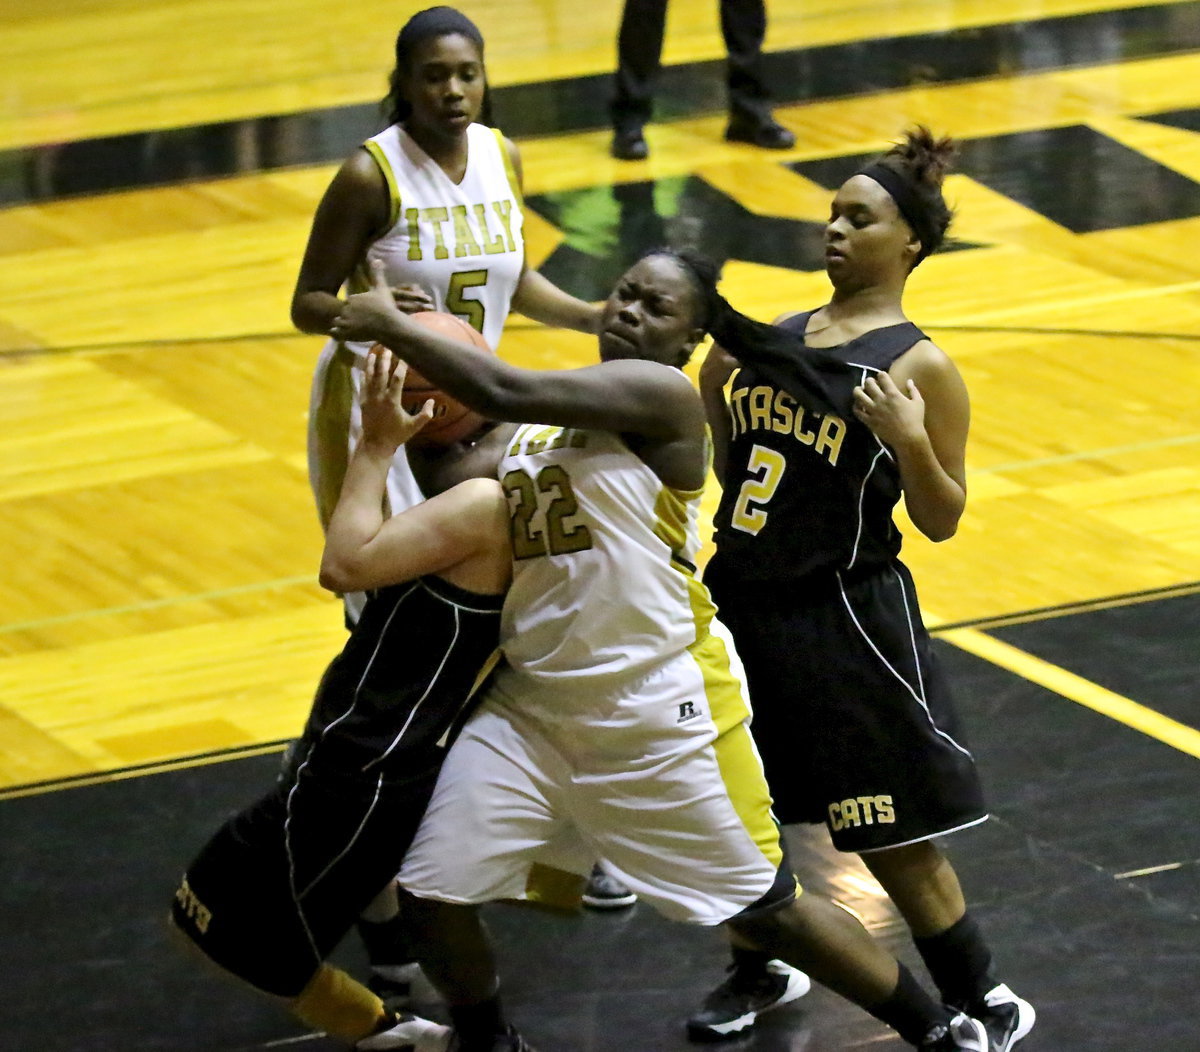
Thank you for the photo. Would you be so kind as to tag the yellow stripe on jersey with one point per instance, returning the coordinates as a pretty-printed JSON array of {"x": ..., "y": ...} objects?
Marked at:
[
  {"x": 741, "y": 768},
  {"x": 376, "y": 151},
  {"x": 513, "y": 181},
  {"x": 742, "y": 773},
  {"x": 332, "y": 426}
]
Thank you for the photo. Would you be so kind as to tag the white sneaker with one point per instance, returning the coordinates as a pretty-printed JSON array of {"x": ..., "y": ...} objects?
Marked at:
[
  {"x": 961, "y": 1034},
  {"x": 735, "y": 1005},
  {"x": 411, "y": 1033},
  {"x": 1005, "y": 1016}
]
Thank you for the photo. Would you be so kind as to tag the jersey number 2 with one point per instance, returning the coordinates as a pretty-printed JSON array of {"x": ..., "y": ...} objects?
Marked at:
[
  {"x": 557, "y": 539},
  {"x": 767, "y": 467}
]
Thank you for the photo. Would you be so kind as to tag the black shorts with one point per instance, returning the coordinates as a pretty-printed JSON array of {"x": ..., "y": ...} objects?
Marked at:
[
  {"x": 280, "y": 884},
  {"x": 852, "y": 714}
]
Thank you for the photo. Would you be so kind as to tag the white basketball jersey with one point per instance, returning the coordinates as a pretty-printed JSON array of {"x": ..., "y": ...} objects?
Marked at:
[
  {"x": 604, "y": 556},
  {"x": 461, "y": 242}
]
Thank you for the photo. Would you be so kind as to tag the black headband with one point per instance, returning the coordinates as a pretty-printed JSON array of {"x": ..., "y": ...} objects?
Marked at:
[
  {"x": 436, "y": 22},
  {"x": 914, "y": 210}
]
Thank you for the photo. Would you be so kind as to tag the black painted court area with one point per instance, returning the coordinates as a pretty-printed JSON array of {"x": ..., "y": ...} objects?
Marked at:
[{"x": 1087, "y": 880}]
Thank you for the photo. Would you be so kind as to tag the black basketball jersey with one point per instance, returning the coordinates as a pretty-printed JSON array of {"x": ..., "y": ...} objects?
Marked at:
[
  {"x": 807, "y": 485},
  {"x": 387, "y": 702}
]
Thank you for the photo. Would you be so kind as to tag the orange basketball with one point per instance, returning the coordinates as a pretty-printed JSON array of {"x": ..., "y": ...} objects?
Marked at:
[{"x": 452, "y": 421}]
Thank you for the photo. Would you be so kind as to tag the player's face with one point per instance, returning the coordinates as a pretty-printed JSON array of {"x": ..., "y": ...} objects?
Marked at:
[
  {"x": 651, "y": 314},
  {"x": 444, "y": 85},
  {"x": 867, "y": 240}
]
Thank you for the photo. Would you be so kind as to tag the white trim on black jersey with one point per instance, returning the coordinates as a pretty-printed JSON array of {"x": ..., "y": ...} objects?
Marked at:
[
  {"x": 919, "y": 698},
  {"x": 429, "y": 686}
]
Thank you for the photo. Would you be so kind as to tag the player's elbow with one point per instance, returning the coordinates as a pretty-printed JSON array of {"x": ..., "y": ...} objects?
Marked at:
[
  {"x": 338, "y": 575},
  {"x": 940, "y": 532}
]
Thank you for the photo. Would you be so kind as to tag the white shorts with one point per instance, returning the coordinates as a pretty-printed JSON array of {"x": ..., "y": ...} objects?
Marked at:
[
  {"x": 334, "y": 430},
  {"x": 679, "y": 812}
]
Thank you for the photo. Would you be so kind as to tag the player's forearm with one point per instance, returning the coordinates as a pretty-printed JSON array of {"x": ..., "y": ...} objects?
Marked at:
[
  {"x": 314, "y": 311},
  {"x": 483, "y": 382},
  {"x": 933, "y": 499},
  {"x": 720, "y": 424},
  {"x": 540, "y": 299},
  {"x": 358, "y": 516}
]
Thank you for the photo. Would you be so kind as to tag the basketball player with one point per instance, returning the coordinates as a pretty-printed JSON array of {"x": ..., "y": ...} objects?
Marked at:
[
  {"x": 618, "y": 725},
  {"x": 830, "y": 418},
  {"x": 436, "y": 197},
  {"x": 280, "y": 884}
]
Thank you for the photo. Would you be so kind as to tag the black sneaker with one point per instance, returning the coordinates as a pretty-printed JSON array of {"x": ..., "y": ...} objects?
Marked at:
[
  {"x": 629, "y": 144},
  {"x": 605, "y": 892},
  {"x": 732, "y": 1008},
  {"x": 961, "y": 1034},
  {"x": 509, "y": 1041},
  {"x": 768, "y": 134},
  {"x": 1005, "y": 1016},
  {"x": 406, "y": 1032}
]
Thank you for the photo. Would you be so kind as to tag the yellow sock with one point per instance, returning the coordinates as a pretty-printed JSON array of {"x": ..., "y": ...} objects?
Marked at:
[{"x": 339, "y": 1005}]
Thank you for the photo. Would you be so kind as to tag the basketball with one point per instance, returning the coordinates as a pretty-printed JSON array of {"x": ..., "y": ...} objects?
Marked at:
[{"x": 452, "y": 421}]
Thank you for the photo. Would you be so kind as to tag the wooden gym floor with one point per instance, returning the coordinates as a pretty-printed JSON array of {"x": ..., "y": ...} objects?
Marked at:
[{"x": 160, "y": 626}]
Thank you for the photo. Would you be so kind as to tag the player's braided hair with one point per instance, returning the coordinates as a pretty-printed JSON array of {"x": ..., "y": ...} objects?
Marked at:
[{"x": 425, "y": 25}]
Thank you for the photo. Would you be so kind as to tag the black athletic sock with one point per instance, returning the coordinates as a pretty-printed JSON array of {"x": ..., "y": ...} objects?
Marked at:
[
  {"x": 910, "y": 1011},
  {"x": 477, "y": 1025},
  {"x": 750, "y": 962},
  {"x": 386, "y": 941},
  {"x": 959, "y": 961}
]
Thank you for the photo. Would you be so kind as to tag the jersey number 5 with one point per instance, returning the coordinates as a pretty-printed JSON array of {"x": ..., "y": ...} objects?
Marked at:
[
  {"x": 457, "y": 303},
  {"x": 767, "y": 467},
  {"x": 557, "y": 539}
]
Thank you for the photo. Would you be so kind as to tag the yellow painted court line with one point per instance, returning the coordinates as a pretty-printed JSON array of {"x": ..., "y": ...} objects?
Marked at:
[
  {"x": 1075, "y": 688},
  {"x": 121, "y": 773}
]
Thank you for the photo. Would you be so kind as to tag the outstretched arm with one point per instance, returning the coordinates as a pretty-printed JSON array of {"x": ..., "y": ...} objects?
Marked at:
[
  {"x": 627, "y": 396},
  {"x": 536, "y": 296},
  {"x": 466, "y": 527}
]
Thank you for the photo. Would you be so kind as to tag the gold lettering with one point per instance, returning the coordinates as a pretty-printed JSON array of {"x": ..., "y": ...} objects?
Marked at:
[
  {"x": 436, "y": 217},
  {"x": 739, "y": 417},
  {"x": 868, "y": 815},
  {"x": 807, "y": 437},
  {"x": 850, "y": 812},
  {"x": 885, "y": 813},
  {"x": 413, "y": 215},
  {"x": 504, "y": 210},
  {"x": 783, "y": 412},
  {"x": 835, "y": 818},
  {"x": 464, "y": 237},
  {"x": 760, "y": 408},
  {"x": 496, "y": 244},
  {"x": 829, "y": 441}
]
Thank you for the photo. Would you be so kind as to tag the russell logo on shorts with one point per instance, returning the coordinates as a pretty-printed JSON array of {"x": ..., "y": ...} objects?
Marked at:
[{"x": 687, "y": 711}]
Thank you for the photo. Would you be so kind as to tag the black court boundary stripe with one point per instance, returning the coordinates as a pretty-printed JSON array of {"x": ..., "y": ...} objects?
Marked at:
[
  {"x": 1082, "y": 606},
  {"x": 78, "y": 781},
  {"x": 246, "y": 751},
  {"x": 574, "y": 104}
]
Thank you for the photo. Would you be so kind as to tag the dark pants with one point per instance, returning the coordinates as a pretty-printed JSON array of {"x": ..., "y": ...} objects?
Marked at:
[{"x": 639, "y": 55}]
